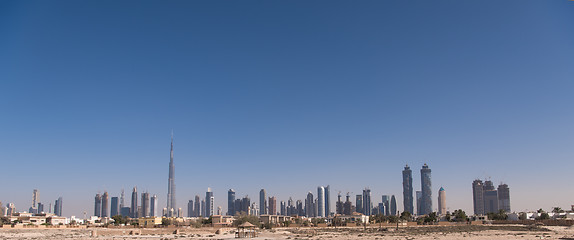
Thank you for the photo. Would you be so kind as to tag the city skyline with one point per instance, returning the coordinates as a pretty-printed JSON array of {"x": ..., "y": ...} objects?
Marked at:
[{"x": 476, "y": 90}]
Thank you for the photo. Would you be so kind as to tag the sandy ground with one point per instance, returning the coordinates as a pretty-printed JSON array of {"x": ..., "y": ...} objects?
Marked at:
[{"x": 410, "y": 233}]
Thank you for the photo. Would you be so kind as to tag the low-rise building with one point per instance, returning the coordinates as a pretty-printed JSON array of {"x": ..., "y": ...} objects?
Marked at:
[
  {"x": 222, "y": 221},
  {"x": 149, "y": 221}
]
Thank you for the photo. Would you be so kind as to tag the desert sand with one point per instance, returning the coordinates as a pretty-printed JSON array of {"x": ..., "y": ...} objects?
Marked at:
[{"x": 353, "y": 233}]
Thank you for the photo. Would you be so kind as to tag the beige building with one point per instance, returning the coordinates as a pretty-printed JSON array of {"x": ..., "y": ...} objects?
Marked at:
[
  {"x": 222, "y": 221},
  {"x": 149, "y": 221},
  {"x": 441, "y": 201},
  {"x": 274, "y": 219}
]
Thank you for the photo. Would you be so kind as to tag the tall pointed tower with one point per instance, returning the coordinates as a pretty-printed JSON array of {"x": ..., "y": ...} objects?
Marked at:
[{"x": 171, "y": 183}]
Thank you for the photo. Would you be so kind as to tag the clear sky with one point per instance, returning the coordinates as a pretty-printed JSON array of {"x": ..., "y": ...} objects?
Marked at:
[{"x": 286, "y": 96}]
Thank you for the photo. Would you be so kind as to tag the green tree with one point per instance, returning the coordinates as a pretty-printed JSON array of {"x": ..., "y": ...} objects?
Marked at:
[
  {"x": 522, "y": 216},
  {"x": 557, "y": 210},
  {"x": 393, "y": 219},
  {"x": 242, "y": 218},
  {"x": 166, "y": 221},
  {"x": 447, "y": 216},
  {"x": 460, "y": 215},
  {"x": 543, "y": 216},
  {"x": 406, "y": 216},
  {"x": 431, "y": 217},
  {"x": 500, "y": 215},
  {"x": 119, "y": 219}
]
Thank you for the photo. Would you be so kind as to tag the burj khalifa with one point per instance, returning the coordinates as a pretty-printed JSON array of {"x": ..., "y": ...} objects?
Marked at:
[{"x": 171, "y": 208}]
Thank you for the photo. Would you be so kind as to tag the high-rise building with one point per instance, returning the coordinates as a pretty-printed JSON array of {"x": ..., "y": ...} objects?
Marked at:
[
  {"x": 386, "y": 201},
  {"x": 272, "y": 206},
  {"x": 393, "y": 210},
  {"x": 105, "y": 199},
  {"x": 320, "y": 201},
  {"x": 35, "y": 198},
  {"x": 190, "y": 208},
  {"x": 203, "y": 213},
  {"x": 339, "y": 205},
  {"x": 134, "y": 208},
  {"x": 408, "y": 190},
  {"x": 478, "y": 197},
  {"x": 11, "y": 209},
  {"x": 97, "y": 205},
  {"x": 122, "y": 200},
  {"x": 309, "y": 208},
  {"x": 40, "y": 207},
  {"x": 209, "y": 203},
  {"x": 348, "y": 206},
  {"x": 503, "y": 197},
  {"x": 426, "y": 189},
  {"x": 145, "y": 204},
  {"x": 282, "y": 208},
  {"x": 441, "y": 201},
  {"x": 125, "y": 211},
  {"x": 490, "y": 198},
  {"x": 171, "y": 207},
  {"x": 300, "y": 209},
  {"x": 367, "y": 205},
  {"x": 419, "y": 196},
  {"x": 230, "y": 202},
  {"x": 197, "y": 207},
  {"x": 359, "y": 203},
  {"x": 327, "y": 201},
  {"x": 114, "y": 207},
  {"x": 153, "y": 206},
  {"x": 263, "y": 202},
  {"x": 58, "y": 207}
]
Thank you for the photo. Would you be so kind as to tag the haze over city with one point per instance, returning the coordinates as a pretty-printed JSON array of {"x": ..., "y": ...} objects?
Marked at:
[{"x": 286, "y": 96}]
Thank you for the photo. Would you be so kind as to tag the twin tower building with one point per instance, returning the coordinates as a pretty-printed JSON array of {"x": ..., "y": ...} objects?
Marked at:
[{"x": 423, "y": 197}]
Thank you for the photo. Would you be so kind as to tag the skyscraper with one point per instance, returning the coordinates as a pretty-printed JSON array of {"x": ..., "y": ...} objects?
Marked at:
[
  {"x": 478, "y": 197},
  {"x": 441, "y": 201},
  {"x": 171, "y": 183},
  {"x": 230, "y": 202},
  {"x": 282, "y": 208},
  {"x": 309, "y": 208},
  {"x": 393, "y": 210},
  {"x": 197, "y": 207},
  {"x": 359, "y": 203},
  {"x": 426, "y": 189},
  {"x": 490, "y": 198},
  {"x": 190, "y": 208},
  {"x": 386, "y": 200},
  {"x": 97, "y": 205},
  {"x": 320, "y": 201},
  {"x": 145, "y": 204},
  {"x": 419, "y": 196},
  {"x": 327, "y": 200},
  {"x": 35, "y": 198},
  {"x": 105, "y": 199},
  {"x": 262, "y": 202},
  {"x": 272, "y": 206},
  {"x": 209, "y": 203},
  {"x": 367, "y": 204},
  {"x": 153, "y": 206},
  {"x": 58, "y": 207},
  {"x": 339, "y": 205},
  {"x": 408, "y": 190},
  {"x": 134, "y": 208},
  {"x": 503, "y": 197},
  {"x": 114, "y": 207},
  {"x": 122, "y": 200}
]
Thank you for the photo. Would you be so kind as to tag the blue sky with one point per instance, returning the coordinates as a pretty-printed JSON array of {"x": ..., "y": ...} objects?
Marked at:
[{"x": 287, "y": 96}]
